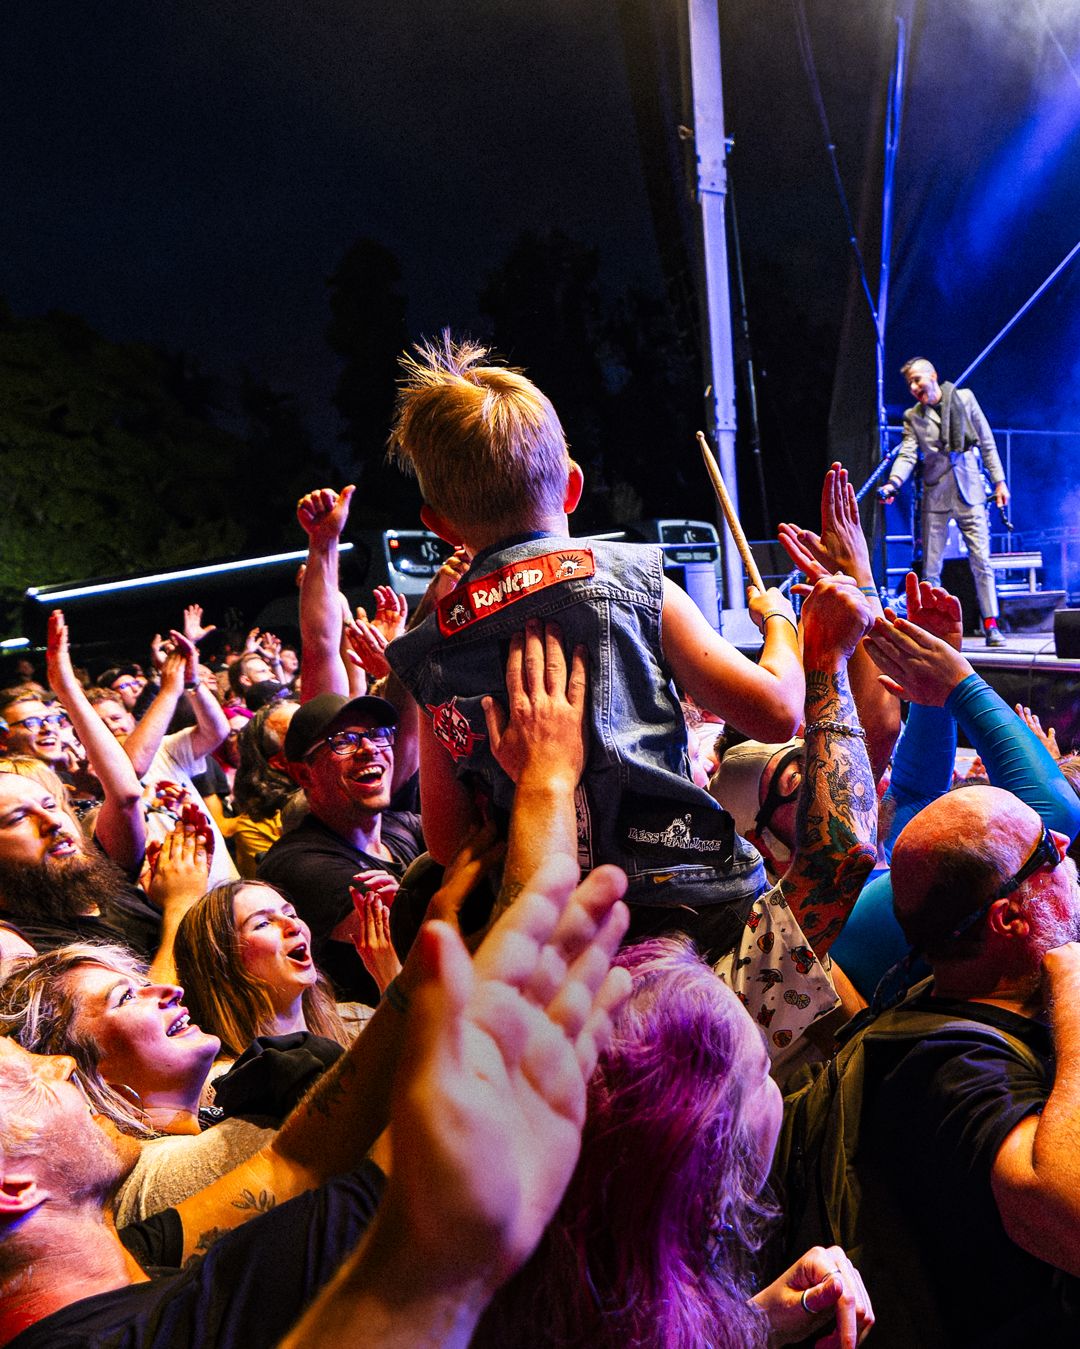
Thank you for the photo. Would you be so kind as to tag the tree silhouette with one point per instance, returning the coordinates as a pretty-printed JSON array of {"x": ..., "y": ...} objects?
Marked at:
[
  {"x": 114, "y": 462},
  {"x": 368, "y": 331}
]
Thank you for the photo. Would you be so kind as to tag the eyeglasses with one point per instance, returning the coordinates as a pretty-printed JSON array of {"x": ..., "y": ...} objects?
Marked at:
[
  {"x": 1045, "y": 854},
  {"x": 58, "y": 719},
  {"x": 773, "y": 800},
  {"x": 122, "y": 685},
  {"x": 344, "y": 744}
]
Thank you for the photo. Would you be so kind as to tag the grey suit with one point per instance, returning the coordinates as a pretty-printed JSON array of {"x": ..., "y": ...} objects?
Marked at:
[{"x": 952, "y": 488}]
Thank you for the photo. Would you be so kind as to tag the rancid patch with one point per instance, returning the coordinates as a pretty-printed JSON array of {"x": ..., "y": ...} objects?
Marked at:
[
  {"x": 452, "y": 730},
  {"x": 476, "y": 599}
]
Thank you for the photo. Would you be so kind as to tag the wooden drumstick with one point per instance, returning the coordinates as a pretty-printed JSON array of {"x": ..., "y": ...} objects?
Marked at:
[{"x": 729, "y": 513}]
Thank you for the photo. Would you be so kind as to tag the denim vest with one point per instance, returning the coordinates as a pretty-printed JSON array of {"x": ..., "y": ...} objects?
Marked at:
[{"x": 637, "y": 805}]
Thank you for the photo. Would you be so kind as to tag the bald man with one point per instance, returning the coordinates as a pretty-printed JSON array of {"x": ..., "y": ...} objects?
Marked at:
[{"x": 974, "y": 1128}]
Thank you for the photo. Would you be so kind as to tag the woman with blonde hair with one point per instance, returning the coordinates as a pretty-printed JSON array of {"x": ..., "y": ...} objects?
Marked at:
[{"x": 245, "y": 959}]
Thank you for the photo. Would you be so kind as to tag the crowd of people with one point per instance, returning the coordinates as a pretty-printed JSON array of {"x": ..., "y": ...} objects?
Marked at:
[{"x": 535, "y": 969}]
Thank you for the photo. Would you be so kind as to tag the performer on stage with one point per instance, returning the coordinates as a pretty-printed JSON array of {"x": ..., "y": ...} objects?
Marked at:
[{"x": 947, "y": 431}]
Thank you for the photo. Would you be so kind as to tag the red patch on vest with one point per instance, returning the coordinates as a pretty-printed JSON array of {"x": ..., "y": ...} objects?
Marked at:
[
  {"x": 452, "y": 730},
  {"x": 474, "y": 600}
]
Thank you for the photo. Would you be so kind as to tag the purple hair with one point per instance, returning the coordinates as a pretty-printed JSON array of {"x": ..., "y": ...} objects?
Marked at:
[{"x": 652, "y": 1244}]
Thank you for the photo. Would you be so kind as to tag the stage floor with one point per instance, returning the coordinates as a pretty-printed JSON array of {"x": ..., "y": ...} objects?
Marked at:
[{"x": 1022, "y": 649}]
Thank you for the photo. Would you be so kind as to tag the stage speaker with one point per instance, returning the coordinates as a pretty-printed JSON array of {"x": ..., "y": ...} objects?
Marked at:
[
  {"x": 1067, "y": 634},
  {"x": 956, "y": 577}
]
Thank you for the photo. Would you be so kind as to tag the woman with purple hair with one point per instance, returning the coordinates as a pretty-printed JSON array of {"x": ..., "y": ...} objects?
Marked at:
[{"x": 653, "y": 1245}]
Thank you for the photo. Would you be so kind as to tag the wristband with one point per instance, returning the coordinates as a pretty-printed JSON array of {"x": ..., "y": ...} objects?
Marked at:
[
  {"x": 190, "y": 688},
  {"x": 777, "y": 614},
  {"x": 868, "y": 590},
  {"x": 396, "y": 996},
  {"x": 837, "y": 727}
]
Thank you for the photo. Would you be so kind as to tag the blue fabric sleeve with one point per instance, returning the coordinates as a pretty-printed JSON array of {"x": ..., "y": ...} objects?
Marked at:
[
  {"x": 922, "y": 765},
  {"x": 1013, "y": 755}
]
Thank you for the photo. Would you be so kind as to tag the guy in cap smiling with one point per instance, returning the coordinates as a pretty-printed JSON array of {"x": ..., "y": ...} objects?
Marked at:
[{"x": 341, "y": 752}]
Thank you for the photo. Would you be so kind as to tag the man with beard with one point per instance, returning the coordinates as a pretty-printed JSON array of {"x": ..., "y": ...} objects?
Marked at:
[
  {"x": 55, "y": 885},
  {"x": 967, "y": 1156}
]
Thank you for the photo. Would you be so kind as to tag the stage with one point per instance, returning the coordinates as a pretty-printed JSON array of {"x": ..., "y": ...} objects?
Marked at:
[{"x": 1028, "y": 671}]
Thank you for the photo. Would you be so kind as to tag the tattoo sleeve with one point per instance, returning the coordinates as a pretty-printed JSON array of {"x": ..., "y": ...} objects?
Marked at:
[{"x": 836, "y": 830}]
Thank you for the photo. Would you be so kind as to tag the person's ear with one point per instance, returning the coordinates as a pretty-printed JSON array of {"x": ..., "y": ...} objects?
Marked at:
[
  {"x": 280, "y": 764},
  {"x": 299, "y": 771},
  {"x": 1006, "y": 918},
  {"x": 19, "y": 1195},
  {"x": 439, "y": 525},
  {"x": 575, "y": 485}
]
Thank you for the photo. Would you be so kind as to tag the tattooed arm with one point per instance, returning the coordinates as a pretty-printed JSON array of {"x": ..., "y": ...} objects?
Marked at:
[
  {"x": 841, "y": 546},
  {"x": 553, "y": 948},
  {"x": 836, "y": 831}
]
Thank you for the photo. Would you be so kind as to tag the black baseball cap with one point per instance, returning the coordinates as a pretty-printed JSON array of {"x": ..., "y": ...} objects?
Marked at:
[{"x": 313, "y": 720}]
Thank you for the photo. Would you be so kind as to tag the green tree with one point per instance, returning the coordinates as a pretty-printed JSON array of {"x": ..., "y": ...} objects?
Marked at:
[{"x": 111, "y": 457}]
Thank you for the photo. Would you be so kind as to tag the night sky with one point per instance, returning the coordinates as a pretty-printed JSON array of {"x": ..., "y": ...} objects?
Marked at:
[{"x": 190, "y": 173}]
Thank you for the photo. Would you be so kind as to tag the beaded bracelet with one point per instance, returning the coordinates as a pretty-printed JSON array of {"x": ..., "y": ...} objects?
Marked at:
[
  {"x": 396, "y": 996},
  {"x": 837, "y": 727}
]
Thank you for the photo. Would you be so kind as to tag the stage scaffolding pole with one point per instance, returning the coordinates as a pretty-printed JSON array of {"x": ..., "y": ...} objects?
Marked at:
[{"x": 711, "y": 191}]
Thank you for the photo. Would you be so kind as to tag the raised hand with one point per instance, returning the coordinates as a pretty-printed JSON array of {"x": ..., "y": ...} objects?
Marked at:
[
  {"x": 1047, "y": 738},
  {"x": 916, "y": 665},
  {"x": 371, "y": 937},
  {"x": 367, "y": 647},
  {"x": 487, "y": 1111},
  {"x": 391, "y": 612},
  {"x": 836, "y": 616},
  {"x": 58, "y": 667},
  {"x": 442, "y": 583},
  {"x": 490, "y": 1099},
  {"x": 791, "y": 538},
  {"x": 270, "y": 646},
  {"x": 194, "y": 630},
  {"x": 180, "y": 867},
  {"x": 546, "y": 721},
  {"x": 762, "y": 603},
  {"x": 181, "y": 663},
  {"x": 322, "y": 514},
  {"x": 934, "y": 609},
  {"x": 841, "y": 545}
]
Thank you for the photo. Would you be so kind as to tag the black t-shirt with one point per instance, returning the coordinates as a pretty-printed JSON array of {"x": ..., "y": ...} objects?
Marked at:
[
  {"x": 933, "y": 1130},
  {"x": 246, "y": 1292},
  {"x": 313, "y": 866},
  {"x": 212, "y": 781},
  {"x": 129, "y": 920}
]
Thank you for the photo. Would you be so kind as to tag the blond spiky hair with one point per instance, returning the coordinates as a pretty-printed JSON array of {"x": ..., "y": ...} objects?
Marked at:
[{"x": 484, "y": 443}]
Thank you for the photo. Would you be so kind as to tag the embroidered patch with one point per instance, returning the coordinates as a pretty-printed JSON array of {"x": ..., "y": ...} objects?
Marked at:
[
  {"x": 649, "y": 828},
  {"x": 474, "y": 600},
  {"x": 452, "y": 730}
]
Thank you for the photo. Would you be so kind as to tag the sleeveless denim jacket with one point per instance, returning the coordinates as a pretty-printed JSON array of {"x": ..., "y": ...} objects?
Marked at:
[{"x": 637, "y": 805}]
